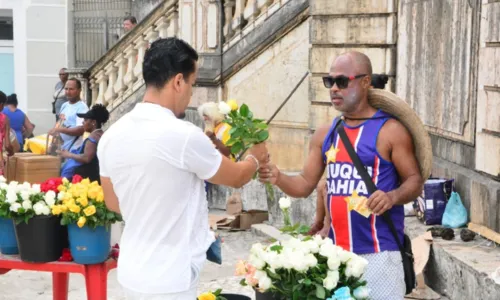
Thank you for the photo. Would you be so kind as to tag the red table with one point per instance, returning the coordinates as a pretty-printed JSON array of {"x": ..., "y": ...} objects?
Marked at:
[{"x": 96, "y": 276}]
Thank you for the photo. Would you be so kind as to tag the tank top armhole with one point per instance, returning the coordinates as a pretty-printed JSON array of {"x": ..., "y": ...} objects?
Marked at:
[
  {"x": 326, "y": 142},
  {"x": 382, "y": 122}
]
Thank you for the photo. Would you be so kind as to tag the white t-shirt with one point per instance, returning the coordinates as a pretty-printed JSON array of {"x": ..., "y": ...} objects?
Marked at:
[
  {"x": 69, "y": 110},
  {"x": 157, "y": 164}
]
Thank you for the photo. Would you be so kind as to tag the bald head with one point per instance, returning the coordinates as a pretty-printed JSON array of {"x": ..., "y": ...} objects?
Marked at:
[{"x": 356, "y": 61}]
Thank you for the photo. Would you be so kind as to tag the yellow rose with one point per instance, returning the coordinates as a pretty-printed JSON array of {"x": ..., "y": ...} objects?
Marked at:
[
  {"x": 232, "y": 103},
  {"x": 93, "y": 191},
  {"x": 61, "y": 188},
  {"x": 100, "y": 197},
  {"x": 69, "y": 202},
  {"x": 81, "y": 222},
  {"x": 85, "y": 182},
  {"x": 75, "y": 208},
  {"x": 89, "y": 210},
  {"x": 94, "y": 183},
  {"x": 83, "y": 201},
  {"x": 64, "y": 208},
  {"x": 56, "y": 210},
  {"x": 206, "y": 296}
]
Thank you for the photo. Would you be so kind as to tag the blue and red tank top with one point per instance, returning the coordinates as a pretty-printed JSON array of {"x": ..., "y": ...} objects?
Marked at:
[{"x": 350, "y": 229}]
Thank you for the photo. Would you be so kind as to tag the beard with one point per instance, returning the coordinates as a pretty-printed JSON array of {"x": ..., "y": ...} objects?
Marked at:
[{"x": 181, "y": 116}]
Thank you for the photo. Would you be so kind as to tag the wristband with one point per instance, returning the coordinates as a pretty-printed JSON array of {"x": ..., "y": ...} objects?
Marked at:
[{"x": 255, "y": 160}]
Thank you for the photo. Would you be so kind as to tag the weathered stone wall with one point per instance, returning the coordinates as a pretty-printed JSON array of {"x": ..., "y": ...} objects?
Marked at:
[
  {"x": 338, "y": 26},
  {"x": 447, "y": 71},
  {"x": 141, "y": 8}
]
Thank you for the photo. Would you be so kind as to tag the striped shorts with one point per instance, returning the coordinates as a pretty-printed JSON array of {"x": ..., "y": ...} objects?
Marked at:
[{"x": 385, "y": 275}]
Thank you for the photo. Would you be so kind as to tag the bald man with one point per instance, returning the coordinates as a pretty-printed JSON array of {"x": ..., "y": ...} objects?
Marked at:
[{"x": 386, "y": 149}]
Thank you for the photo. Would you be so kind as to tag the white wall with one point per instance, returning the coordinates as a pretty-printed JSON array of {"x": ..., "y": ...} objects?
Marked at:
[{"x": 40, "y": 50}]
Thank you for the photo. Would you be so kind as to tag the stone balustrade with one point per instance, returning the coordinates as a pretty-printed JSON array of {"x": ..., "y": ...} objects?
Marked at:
[
  {"x": 242, "y": 16},
  {"x": 118, "y": 74}
]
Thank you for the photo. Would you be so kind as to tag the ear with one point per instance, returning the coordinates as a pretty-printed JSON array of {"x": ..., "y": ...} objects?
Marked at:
[
  {"x": 367, "y": 82},
  {"x": 178, "y": 81}
]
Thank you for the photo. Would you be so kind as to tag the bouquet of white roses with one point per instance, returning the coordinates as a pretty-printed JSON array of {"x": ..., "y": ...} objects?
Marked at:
[
  {"x": 304, "y": 267},
  {"x": 22, "y": 202}
]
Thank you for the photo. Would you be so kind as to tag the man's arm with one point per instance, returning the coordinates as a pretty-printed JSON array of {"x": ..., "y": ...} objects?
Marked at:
[
  {"x": 207, "y": 163},
  {"x": 219, "y": 145},
  {"x": 302, "y": 185},
  {"x": 110, "y": 197},
  {"x": 404, "y": 160}
]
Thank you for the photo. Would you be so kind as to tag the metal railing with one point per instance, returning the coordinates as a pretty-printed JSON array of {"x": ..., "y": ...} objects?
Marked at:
[{"x": 97, "y": 27}]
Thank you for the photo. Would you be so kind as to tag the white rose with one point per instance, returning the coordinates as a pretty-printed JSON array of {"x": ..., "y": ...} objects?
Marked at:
[
  {"x": 318, "y": 240},
  {"x": 285, "y": 202},
  {"x": 11, "y": 196},
  {"x": 24, "y": 187},
  {"x": 27, "y": 204},
  {"x": 13, "y": 183},
  {"x": 35, "y": 189},
  {"x": 356, "y": 267},
  {"x": 345, "y": 256},
  {"x": 312, "y": 246},
  {"x": 256, "y": 262},
  {"x": 60, "y": 196},
  {"x": 311, "y": 260},
  {"x": 361, "y": 292},
  {"x": 265, "y": 283},
  {"x": 45, "y": 210},
  {"x": 3, "y": 186},
  {"x": 25, "y": 195},
  {"x": 15, "y": 207},
  {"x": 333, "y": 262},
  {"x": 329, "y": 283},
  {"x": 2, "y": 179},
  {"x": 50, "y": 198},
  {"x": 259, "y": 274},
  {"x": 39, "y": 208},
  {"x": 224, "y": 108},
  {"x": 327, "y": 250}
]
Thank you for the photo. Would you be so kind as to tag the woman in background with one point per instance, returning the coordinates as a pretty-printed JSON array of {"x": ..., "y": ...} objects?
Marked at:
[
  {"x": 4, "y": 134},
  {"x": 19, "y": 122},
  {"x": 83, "y": 161}
]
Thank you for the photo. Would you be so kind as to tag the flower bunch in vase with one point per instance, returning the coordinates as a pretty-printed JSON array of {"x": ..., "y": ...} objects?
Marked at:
[
  {"x": 82, "y": 203},
  {"x": 304, "y": 267},
  {"x": 245, "y": 132},
  {"x": 21, "y": 202},
  {"x": 211, "y": 295}
]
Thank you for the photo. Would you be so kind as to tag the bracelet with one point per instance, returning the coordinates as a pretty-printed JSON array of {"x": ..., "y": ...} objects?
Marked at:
[{"x": 255, "y": 160}]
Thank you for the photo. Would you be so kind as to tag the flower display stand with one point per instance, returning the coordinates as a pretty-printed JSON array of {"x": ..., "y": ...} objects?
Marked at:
[{"x": 96, "y": 276}]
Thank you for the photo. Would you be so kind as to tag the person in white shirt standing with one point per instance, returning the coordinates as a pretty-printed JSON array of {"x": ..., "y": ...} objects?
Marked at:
[{"x": 153, "y": 166}]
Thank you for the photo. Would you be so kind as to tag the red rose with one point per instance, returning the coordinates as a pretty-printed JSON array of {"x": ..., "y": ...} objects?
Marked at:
[{"x": 76, "y": 178}]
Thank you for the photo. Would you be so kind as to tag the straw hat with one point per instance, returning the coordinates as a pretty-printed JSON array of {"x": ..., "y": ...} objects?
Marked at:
[{"x": 397, "y": 107}]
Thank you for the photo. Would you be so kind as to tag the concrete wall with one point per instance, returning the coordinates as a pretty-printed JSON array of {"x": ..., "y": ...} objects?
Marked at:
[
  {"x": 447, "y": 71},
  {"x": 140, "y": 9},
  {"x": 40, "y": 50}
]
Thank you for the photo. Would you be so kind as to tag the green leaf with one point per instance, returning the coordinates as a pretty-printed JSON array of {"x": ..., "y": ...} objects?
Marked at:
[
  {"x": 243, "y": 282},
  {"x": 273, "y": 275},
  {"x": 261, "y": 125},
  {"x": 296, "y": 295},
  {"x": 217, "y": 292},
  {"x": 277, "y": 248},
  {"x": 307, "y": 282},
  {"x": 262, "y": 135},
  {"x": 236, "y": 148},
  {"x": 303, "y": 229},
  {"x": 250, "y": 115},
  {"x": 320, "y": 291},
  {"x": 244, "y": 110}
]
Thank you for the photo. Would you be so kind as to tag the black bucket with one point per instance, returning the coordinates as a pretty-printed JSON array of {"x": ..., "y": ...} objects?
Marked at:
[
  {"x": 265, "y": 296},
  {"x": 235, "y": 297},
  {"x": 42, "y": 239}
]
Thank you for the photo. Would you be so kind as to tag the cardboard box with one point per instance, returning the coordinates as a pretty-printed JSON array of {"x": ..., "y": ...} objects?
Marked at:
[
  {"x": 35, "y": 168},
  {"x": 248, "y": 218},
  {"x": 10, "y": 169}
]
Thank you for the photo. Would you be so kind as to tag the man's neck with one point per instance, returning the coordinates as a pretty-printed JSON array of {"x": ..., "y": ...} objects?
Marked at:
[
  {"x": 362, "y": 112},
  {"x": 74, "y": 101}
]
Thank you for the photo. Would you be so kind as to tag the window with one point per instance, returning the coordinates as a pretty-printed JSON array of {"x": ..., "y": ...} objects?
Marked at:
[{"x": 6, "y": 28}]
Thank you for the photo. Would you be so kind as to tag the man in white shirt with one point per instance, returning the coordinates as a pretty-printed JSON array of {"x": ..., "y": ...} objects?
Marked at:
[{"x": 153, "y": 166}]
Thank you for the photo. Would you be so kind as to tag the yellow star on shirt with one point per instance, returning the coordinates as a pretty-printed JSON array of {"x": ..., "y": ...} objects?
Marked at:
[{"x": 331, "y": 155}]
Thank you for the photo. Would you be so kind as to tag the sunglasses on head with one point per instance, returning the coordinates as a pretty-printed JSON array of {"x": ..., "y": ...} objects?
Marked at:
[{"x": 342, "y": 81}]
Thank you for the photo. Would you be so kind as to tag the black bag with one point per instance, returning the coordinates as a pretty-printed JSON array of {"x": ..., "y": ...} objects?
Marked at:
[{"x": 405, "y": 248}]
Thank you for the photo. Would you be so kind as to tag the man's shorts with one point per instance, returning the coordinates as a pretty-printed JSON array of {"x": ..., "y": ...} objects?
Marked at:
[{"x": 385, "y": 275}]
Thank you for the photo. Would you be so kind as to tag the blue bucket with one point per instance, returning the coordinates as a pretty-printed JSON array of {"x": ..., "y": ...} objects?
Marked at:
[
  {"x": 89, "y": 246},
  {"x": 8, "y": 241}
]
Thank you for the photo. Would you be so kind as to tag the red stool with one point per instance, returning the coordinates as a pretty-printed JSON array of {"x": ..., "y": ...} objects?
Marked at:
[{"x": 96, "y": 276}]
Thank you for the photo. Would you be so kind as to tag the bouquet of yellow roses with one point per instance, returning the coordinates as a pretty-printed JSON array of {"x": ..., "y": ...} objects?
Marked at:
[{"x": 83, "y": 203}]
